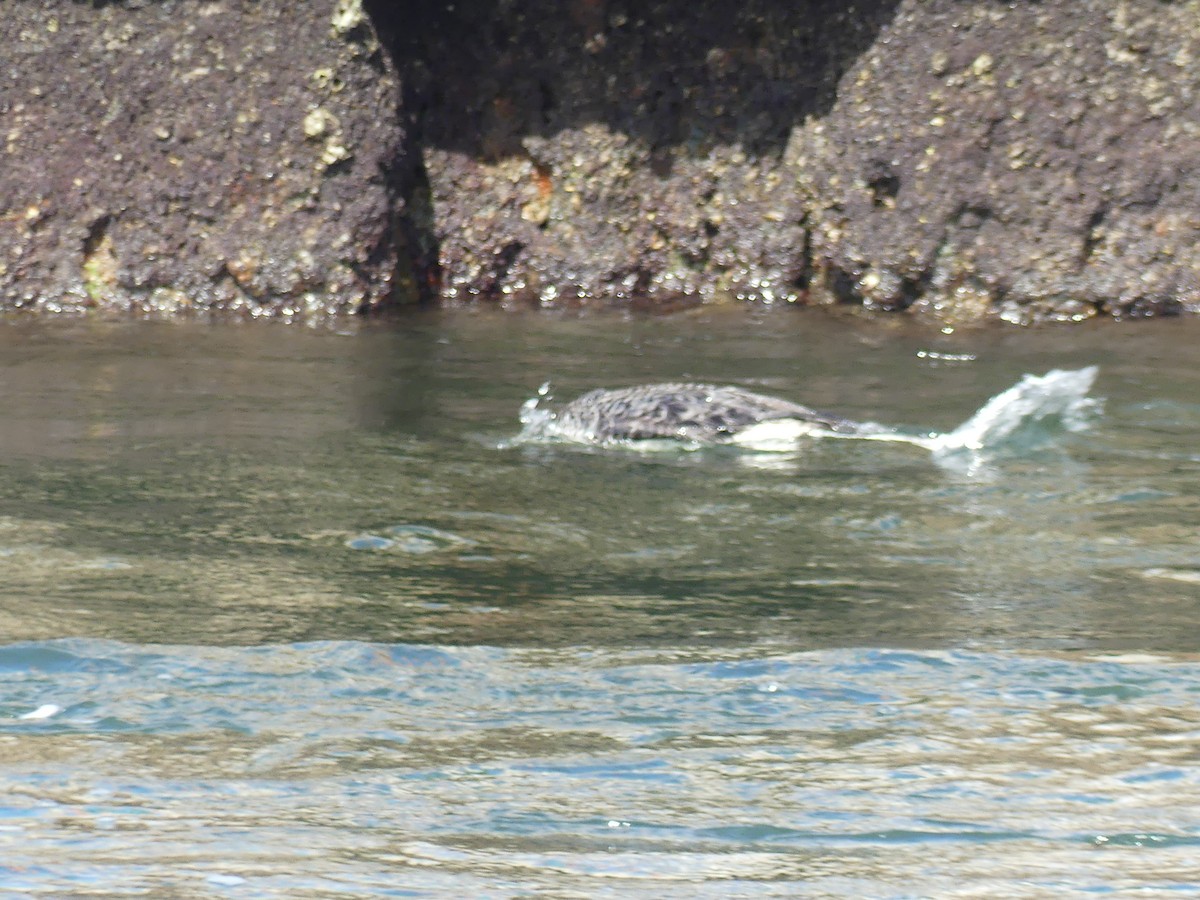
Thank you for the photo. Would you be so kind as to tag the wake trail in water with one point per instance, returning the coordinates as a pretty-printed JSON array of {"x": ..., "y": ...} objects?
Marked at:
[{"x": 1060, "y": 397}]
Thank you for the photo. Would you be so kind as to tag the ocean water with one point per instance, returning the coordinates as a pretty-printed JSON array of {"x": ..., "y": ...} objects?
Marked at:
[{"x": 298, "y": 613}]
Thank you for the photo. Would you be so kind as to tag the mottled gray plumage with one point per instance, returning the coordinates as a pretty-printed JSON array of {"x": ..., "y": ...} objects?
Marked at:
[{"x": 698, "y": 412}]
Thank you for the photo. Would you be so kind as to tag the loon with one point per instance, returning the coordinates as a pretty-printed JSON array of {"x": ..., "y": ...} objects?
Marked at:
[
  {"x": 703, "y": 413},
  {"x": 723, "y": 414}
]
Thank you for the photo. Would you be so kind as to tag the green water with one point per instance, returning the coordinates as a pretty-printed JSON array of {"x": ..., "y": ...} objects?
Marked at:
[
  {"x": 203, "y": 485},
  {"x": 329, "y": 632}
]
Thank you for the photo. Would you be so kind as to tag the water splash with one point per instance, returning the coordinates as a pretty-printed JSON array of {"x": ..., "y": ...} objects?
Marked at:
[
  {"x": 1060, "y": 396},
  {"x": 536, "y": 422},
  {"x": 531, "y": 414},
  {"x": 1020, "y": 418}
]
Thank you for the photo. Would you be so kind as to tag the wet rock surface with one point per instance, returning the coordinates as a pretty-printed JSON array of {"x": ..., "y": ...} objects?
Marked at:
[
  {"x": 968, "y": 160},
  {"x": 1028, "y": 160},
  {"x": 622, "y": 151},
  {"x": 959, "y": 160},
  {"x": 200, "y": 155}
]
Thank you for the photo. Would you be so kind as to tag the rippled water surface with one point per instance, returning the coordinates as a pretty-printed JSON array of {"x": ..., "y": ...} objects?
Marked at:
[{"x": 289, "y": 613}]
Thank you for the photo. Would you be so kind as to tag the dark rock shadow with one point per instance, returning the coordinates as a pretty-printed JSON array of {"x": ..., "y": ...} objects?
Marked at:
[{"x": 674, "y": 74}]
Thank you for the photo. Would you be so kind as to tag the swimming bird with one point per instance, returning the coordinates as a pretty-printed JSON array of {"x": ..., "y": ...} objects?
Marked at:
[
  {"x": 724, "y": 414},
  {"x": 692, "y": 412}
]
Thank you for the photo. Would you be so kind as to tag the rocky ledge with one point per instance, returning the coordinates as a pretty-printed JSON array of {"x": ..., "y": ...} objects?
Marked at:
[{"x": 959, "y": 159}]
